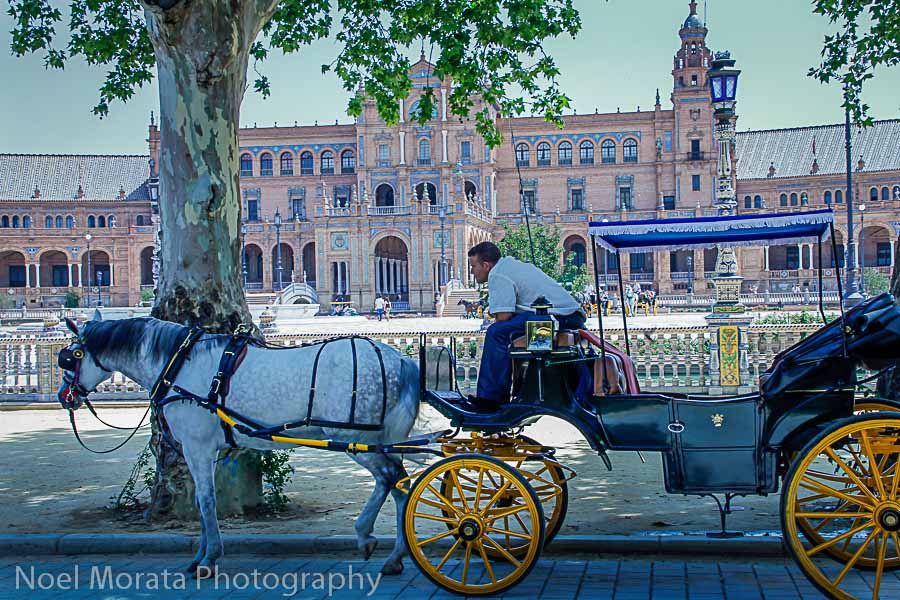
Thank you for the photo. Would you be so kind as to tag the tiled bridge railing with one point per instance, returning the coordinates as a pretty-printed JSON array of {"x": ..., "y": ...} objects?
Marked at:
[{"x": 674, "y": 359}]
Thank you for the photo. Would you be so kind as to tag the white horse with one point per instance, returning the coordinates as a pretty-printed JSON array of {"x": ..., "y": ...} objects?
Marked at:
[{"x": 270, "y": 387}]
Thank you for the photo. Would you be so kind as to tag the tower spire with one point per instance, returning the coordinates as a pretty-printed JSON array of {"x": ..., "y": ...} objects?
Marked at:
[{"x": 693, "y": 5}]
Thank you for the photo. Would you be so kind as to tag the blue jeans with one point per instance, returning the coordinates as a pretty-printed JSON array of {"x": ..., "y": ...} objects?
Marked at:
[
  {"x": 379, "y": 312},
  {"x": 495, "y": 375}
]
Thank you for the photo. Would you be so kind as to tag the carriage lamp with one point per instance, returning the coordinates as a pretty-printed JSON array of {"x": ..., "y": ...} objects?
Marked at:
[{"x": 540, "y": 328}]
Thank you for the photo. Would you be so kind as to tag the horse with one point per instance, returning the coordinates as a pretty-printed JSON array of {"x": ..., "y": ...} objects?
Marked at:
[
  {"x": 272, "y": 386},
  {"x": 471, "y": 308}
]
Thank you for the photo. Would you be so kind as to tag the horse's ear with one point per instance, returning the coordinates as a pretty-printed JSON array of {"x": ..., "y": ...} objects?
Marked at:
[
  {"x": 98, "y": 316},
  {"x": 71, "y": 325}
]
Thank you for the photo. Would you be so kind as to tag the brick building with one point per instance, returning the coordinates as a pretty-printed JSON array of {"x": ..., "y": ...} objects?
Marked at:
[{"x": 370, "y": 209}]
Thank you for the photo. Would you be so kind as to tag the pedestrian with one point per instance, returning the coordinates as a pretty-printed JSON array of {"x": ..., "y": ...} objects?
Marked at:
[
  {"x": 379, "y": 307},
  {"x": 387, "y": 307}
]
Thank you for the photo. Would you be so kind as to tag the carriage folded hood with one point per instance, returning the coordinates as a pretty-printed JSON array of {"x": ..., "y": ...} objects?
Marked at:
[{"x": 873, "y": 341}]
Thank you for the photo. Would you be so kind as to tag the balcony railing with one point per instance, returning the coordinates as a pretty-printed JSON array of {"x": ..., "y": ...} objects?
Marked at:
[
  {"x": 337, "y": 211},
  {"x": 696, "y": 155},
  {"x": 382, "y": 211}
]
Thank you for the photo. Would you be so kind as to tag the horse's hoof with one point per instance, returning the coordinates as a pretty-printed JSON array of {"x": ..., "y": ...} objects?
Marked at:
[
  {"x": 203, "y": 572},
  {"x": 391, "y": 568},
  {"x": 369, "y": 547},
  {"x": 191, "y": 568}
]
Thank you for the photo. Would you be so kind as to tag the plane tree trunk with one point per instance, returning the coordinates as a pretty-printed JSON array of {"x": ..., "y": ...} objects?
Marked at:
[{"x": 202, "y": 50}]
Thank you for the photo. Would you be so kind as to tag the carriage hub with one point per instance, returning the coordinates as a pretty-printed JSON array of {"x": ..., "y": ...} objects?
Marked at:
[
  {"x": 888, "y": 517},
  {"x": 470, "y": 529}
]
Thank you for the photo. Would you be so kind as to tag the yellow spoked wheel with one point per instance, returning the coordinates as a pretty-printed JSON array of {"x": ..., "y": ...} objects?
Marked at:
[
  {"x": 459, "y": 542},
  {"x": 811, "y": 527},
  {"x": 844, "y": 486},
  {"x": 547, "y": 478}
]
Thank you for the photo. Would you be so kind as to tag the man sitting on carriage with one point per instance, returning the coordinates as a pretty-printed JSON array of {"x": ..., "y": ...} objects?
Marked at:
[{"x": 513, "y": 286}]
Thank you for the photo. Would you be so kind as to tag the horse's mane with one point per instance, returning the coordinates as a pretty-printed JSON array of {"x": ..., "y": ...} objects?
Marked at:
[{"x": 111, "y": 339}]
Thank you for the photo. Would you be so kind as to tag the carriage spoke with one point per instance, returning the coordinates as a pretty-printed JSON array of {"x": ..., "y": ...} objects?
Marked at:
[
  {"x": 847, "y": 542},
  {"x": 896, "y": 479},
  {"x": 444, "y": 500},
  {"x": 855, "y": 558},
  {"x": 495, "y": 497},
  {"x": 419, "y": 515},
  {"x": 478, "y": 489},
  {"x": 819, "y": 475},
  {"x": 879, "y": 568},
  {"x": 847, "y": 534},
  {"x": 873, "y": 464},
  {"x": 830, "y": 515},
  {"x": 439, "y": 536},
  {"x": 462, "y": 495},
  {"x": 449, "y": 553},
  {"x": 503, "y": 551},
  {"x": 841, "y": 509},
  {"x": 819, "y": 487},
  {"x": 811, "y": 498},
  {"x": 509, "y": 533},
  {"x": 896, "y": 539},
  {"x": 852, "y": 474},
  {"x": 487, "y": 563},
  {"x": 519, "y": 519},
  {"x": 466, "y": 560},
  {"x": 511, "y": 511},
  {"x": 438, "y": 505}
]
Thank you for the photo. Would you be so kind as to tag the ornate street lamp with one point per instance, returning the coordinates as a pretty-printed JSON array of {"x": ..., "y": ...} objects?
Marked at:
[
  {"x": 87, "y": 238},
  {"x": 278, "y": 245},
  {"x": 723, "y": 82},
  {"x": 99, "y": 283},
  {"x": 862, "y": 250}
]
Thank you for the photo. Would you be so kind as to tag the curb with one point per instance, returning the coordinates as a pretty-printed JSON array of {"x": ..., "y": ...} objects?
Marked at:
[{"x": 168, "y": 543}]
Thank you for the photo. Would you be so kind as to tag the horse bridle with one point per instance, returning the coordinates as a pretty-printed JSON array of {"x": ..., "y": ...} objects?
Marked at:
[{"x": 69, "y": 360}]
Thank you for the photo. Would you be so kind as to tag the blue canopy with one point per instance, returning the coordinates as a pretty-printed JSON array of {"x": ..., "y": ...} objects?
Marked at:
[{"x": 708, "y": 232}]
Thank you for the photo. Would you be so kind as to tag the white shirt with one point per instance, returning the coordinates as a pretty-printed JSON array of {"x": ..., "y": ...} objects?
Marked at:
[
  {"x": 379, "y": 303},
  {"x": 514, "y": 285}
]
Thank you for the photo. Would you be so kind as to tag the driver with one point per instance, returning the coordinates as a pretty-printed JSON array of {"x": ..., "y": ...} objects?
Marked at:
[{"x": 513, "y": 286}]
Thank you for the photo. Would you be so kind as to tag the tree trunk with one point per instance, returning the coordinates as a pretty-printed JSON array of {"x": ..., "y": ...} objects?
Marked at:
[{"x": 202, "y": 51}]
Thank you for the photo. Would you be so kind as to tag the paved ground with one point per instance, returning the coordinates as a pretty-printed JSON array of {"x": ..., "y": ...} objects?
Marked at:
[{"x": 260, "y": 577}]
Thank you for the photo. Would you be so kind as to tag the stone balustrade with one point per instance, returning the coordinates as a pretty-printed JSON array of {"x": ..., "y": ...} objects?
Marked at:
[{"x": 675, "y": 359}]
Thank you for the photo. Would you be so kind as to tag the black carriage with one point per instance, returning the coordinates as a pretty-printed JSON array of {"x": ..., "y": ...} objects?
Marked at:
[{"x": 475, "y": 522}]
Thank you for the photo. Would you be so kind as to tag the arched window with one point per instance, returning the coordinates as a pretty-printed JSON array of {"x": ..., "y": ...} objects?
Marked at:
[
  {"x": 348, "y": 161},
  {"x": 26, "y": 222},
  {"x": 112, "y": 221},
  {"x": 15, "y": 221},
  {"x": 873, "y": 194},
  {"x": 565, "y": 153},
  {"x": 586, "y": 153},
  {"x": 306, "y": 163},
  {"x": 758, "y": 202},
  {"x": 139, "y": 220},
  {"x": 522, "y": 159},
  {"x": 287, "y": 163},
  {"x": 4, "y": 221},
  {"x": 885, "y": 193},
  {"x": 265, "y": 165},
  {"x": 425, "y": 152},
  {"x": 630, "y": 151},
  {"x": 794, "y": 199},
  {"x": 246, "y": 165},
  {"x": 543, "y": 154},
  {"x": 748, "y": 202},
  {"x": 608, "y": 152},
  {"x": 827, "y": 197},
  {"x": 70, "y": 222},
  {"x": 839, "y": 197},
  {"x": 59, "y": 222},
  {"x": 326, "y": 163},
  {"x": 92, "y": 222},
  {"x": 782, "y": 200},
  {"x": 101, "y": 221}
]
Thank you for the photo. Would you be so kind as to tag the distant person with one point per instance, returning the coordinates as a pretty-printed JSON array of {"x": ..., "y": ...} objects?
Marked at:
[
  {"x": 379, "y": 307},
  {"x": 387, "y": 307}
]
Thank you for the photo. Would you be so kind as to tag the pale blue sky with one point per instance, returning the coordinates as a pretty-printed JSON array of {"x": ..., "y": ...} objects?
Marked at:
[{"x": 622, "y": 55}]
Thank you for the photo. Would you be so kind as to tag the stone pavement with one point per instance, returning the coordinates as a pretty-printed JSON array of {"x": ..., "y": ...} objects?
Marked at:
[{"x": 244, "y": 577}]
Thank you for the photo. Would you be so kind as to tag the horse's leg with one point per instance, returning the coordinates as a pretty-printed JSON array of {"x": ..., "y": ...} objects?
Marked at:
[
  {"x": 201, "y": 547},
  {"x": 387, "y": 471},
  {"x": 201, "y": 460}
]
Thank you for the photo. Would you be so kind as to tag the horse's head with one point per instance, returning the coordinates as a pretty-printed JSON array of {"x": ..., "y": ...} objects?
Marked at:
[
  {"x": 461, "y": 303},
  {"x": 82, "y": 370}
]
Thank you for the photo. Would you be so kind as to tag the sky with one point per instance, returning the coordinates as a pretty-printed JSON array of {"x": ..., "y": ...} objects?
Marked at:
[{"x": 622, "y": 55}]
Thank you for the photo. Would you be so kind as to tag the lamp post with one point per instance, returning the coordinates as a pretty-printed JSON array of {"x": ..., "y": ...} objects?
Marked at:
[
  {"x": 690, "y": 268},
  {"x": 862, "y": 250},
  {"x": 851, "y": 294},
  {"x": 99, "y": 283},
  {"x": 442, "y": 271},
  {"x": 278, "y": 246},
  {"x": 723, "y": 80},
  {"x": 87, "y": 238},
  {"x": 244, "y": 253}
]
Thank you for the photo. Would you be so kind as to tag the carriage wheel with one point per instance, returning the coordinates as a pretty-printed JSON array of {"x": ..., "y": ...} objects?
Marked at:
[
  {"x": 548, "y": 481},
  {"x": 456, "y": 557},
  {"x": 844, "y": 485},
  {"x": 810, "y": 527}
]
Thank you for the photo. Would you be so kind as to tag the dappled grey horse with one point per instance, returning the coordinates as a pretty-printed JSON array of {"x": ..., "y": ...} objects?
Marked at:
[{"x": 271, "y": 387}]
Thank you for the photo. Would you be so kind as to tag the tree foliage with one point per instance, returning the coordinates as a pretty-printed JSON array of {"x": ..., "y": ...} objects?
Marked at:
[
  {"x": 547, "y": 252},
  {"x": 867, "y": 37},
  {"x": 487, "y": 48}
]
